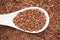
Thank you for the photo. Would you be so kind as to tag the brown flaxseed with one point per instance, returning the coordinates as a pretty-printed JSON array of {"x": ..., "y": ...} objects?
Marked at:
[
  {"x": 8, "y": 6},
  {"x": 32, "y": 20},
  {"x": 51, "y": 33}
]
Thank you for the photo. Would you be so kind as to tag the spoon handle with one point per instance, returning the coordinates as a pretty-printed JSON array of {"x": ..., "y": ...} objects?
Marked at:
[{"x": 5, "y": 20}]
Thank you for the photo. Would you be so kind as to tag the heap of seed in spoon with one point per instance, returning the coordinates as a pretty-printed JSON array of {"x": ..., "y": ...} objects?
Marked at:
[{"x": 32, "y": 20}]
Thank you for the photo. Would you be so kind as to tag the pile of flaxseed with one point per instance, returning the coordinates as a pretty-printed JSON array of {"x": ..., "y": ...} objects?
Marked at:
[{"x": 32, "y": 20}]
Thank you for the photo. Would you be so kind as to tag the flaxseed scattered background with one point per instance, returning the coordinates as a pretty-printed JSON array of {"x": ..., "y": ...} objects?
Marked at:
[
  {"x": 51, "y": 33},
  {"x": 32, "y": 20},
  {"x": 7, "y": 33}
]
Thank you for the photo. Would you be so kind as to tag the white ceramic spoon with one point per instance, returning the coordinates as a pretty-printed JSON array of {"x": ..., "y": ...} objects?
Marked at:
[{"x": 7, "y": 19}]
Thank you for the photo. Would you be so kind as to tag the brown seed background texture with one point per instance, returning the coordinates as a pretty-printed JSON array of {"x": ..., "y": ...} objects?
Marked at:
[{"x": 51, "y": 33}]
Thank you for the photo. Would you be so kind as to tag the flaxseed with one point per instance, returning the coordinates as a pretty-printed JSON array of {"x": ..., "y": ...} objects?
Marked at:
[
  {"x": 51, "y": 33},
  {"x": 32, "y": 20}
]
